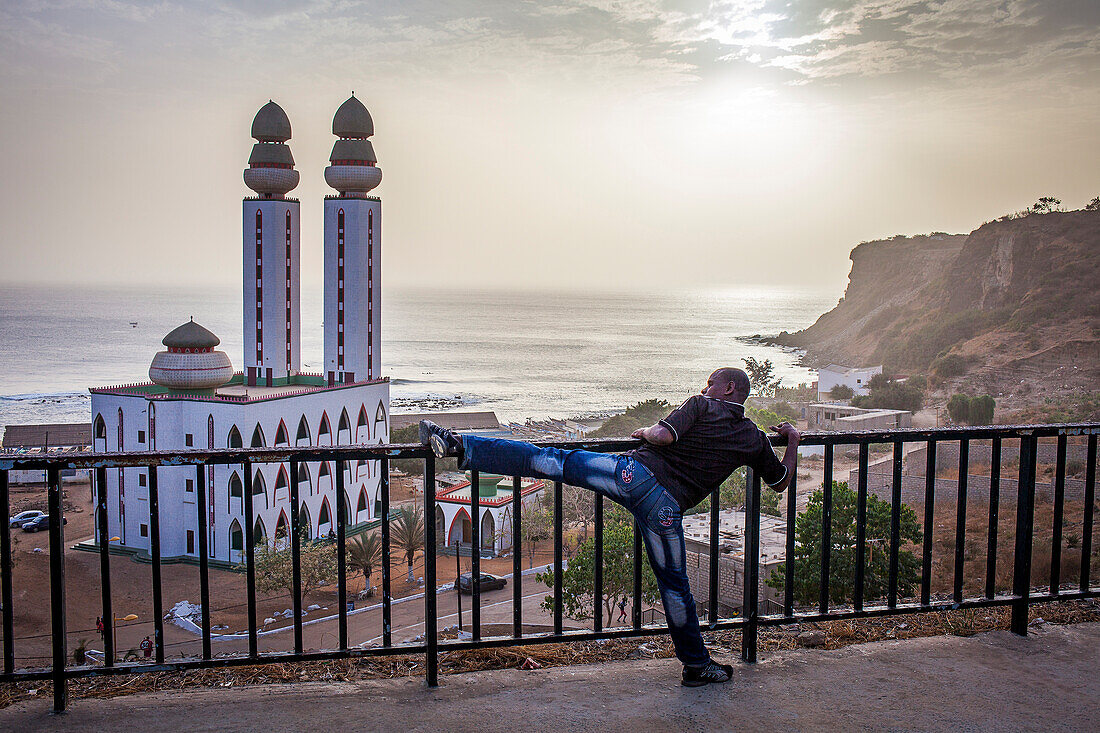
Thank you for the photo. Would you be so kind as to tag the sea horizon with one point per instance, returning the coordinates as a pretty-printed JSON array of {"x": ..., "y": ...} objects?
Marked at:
[{"x": 521, "y": 353}]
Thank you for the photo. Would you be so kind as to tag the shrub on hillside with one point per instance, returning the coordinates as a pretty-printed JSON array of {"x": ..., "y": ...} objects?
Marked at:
[{"x": 950, "y": 365}]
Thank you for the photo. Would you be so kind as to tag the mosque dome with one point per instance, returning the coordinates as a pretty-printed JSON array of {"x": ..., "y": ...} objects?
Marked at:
[
  {"x": 354, "y": 167},
  {"x": 352, "y": 120},
  {"x": 190, "y": 362},
  {"x": 271, "y": 125},
  {"x": 270, "y": 171}
]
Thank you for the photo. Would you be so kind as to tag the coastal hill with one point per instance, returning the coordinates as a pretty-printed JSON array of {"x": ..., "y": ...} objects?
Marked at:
[{"x": 1012, "y": 309}]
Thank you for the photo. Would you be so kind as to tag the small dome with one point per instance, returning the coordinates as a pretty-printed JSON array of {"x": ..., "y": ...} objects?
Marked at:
[
  {"x": 358, "y": 150},
  {"x": 191, "y": 336},
  {"x": 351, "y": 120},
  {"x": 276, "y": 153},
  {"x": 271, "y": 125}
]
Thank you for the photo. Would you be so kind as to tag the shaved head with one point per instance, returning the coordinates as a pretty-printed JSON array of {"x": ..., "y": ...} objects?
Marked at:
[{"x": 737, "y": 377}]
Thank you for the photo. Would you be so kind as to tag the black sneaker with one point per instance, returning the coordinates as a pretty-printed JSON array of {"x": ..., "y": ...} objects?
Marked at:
[
  {"x": 710, "y": 672},
  {"x": 443, "y": 442}
]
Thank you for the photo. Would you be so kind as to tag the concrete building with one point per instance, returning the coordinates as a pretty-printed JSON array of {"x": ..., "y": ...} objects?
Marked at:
[
  {"x": 731, "y": 559},
  {"x": 453, "y": 511},
  {"x": 843, "y": 418},
  {"x": 854, "y": 377},
  {"x": 47, "y": 439},
  {"x": 194, "y": 399}
]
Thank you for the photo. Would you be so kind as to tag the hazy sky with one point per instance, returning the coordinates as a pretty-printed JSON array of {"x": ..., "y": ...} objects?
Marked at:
[{"x": 576, "y": 144}]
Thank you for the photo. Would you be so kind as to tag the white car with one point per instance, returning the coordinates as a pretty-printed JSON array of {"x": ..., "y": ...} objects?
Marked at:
[{"x": 22, "y": 517}]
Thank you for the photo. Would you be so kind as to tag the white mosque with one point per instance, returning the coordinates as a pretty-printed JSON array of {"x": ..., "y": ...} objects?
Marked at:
[{"x": 195, "y": 399}]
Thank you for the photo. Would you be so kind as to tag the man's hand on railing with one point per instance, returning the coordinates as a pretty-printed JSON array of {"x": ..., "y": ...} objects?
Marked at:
[
  {"x": 656, "y": 434},
  {"x": 788, "y": 431},
  {"x": 790, "y": 454}
]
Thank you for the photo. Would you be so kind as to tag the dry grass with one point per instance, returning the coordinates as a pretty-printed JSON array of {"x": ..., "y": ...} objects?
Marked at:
[{"x": 963, "y": 622}]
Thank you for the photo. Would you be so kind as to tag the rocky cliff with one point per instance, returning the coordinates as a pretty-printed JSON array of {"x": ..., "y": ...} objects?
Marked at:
[{"x": 1010, "y": 308}]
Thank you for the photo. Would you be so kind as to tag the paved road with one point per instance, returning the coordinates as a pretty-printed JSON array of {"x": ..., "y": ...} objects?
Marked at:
[{"x": 995, "y": 682}]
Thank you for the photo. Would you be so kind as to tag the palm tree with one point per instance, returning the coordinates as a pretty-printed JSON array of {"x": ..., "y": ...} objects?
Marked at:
[
  {"x": 364, "y": 552},
  {"x": 407, "y": 531}
]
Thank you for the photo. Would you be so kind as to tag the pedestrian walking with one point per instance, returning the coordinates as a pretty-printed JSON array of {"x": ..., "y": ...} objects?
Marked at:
[{"x": 622, "y": 609}]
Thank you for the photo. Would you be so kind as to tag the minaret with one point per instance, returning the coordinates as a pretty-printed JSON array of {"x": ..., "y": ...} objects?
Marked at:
[
  {"x": 272, "y": 266},
  {"x": 353, "y": 250}
]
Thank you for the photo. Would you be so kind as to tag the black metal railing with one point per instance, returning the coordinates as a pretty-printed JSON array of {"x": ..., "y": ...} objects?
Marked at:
[{"x": 747, "y": 622}]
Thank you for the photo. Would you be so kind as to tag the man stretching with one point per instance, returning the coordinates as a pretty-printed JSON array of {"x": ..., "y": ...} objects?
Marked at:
[{"x": 682, "y": 459}]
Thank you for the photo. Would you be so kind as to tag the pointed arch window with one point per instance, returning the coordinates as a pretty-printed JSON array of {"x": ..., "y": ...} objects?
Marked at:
[
  {"x": 259, "y": 531},
  {"x": 361, "y": 425},
  {"x": 281, "y": 437},
  {"x": 234, "y": 438},
  {"x": 323, "y": 515},
  {"x": 304, "y": 478},
  {"x": 259, "y": 487},
  {"x": 258, "y": 437},
  {"x": 362, "y": 505},
  {"x": 282, "y": 529},
  {"x": 323, "y": 471},
  {"x": 323, "y": 429},
  {"x": 343, "y": 429},
  {"x": 281, "y": 482},
  {"x": 304, "y": 524},
  {"x": 236, "y": 488},
  {"x": 303, "y": 430},
  {"x": 236, "y": 537},
  {"x": 100, "y": 428}
]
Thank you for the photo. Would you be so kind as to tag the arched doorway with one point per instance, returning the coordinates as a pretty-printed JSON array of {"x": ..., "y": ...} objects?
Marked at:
[
  {"x": 488, "y": 531},
  {"x": 460, "y": 529}
]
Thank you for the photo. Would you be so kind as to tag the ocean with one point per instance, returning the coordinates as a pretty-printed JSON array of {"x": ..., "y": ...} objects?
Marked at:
[{"x": 521, "y": 354}]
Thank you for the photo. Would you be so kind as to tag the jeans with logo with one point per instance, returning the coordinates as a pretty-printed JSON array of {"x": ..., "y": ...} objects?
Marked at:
[{"x": 627, "y": 482}]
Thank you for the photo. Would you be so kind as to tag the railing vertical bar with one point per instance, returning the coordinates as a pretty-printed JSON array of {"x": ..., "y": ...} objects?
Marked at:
[
  {"x": 558, "y": 559},
  {"x": 475, "y": 553},
  {"x": 296, "y": 557},
  {"x": 155, "y": 553},
  {"x": 204, "y": 560},
  {"x": 750, "y": 593},
  {"x": 103, "y": 530},
  {"x": 517, "y": 560},
  {"x": 1025, "y": 500},
  {"x": 712, "y": 594},
  {"x": 597, "y": 571},
  {"x": 341, "y": 559},
  {"x": 1090, "y": 497},
  {"x": 994, "y": 512},
  {"x": 895, "y": 528},
  {"x": 861, "y": 525},
  {"x": 431, "y": 643},
  {"x": 636, "y": 607},
  {"x": 826, "y": 530},
  {"x": 384, "y": 485},
  {"x": 929, "y": 523},
  {"x": 960, "y": 518},
  {"x": 250, "y": 560},
  {"x": 1059, "y": 512},
  {"x": 5, "y": 577},
  {"x": 788, "y": 564},
  {"x": 57, "y": 589}
]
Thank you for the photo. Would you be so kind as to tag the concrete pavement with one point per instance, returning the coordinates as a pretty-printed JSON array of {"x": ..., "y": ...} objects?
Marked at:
[{"x": 993, "y": 681}]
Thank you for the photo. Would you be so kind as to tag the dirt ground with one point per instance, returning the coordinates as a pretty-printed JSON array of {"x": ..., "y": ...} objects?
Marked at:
[{"x": 131, "y": 583}]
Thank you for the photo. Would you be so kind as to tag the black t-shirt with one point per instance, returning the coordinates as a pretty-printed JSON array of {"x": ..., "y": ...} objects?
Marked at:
[{"x": 711, "y": 439}]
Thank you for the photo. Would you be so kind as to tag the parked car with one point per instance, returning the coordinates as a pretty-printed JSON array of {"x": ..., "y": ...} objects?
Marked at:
[
  {"x": 21, "y": 518},
  {"x": 42, "y": 522},
  {"x": 488, "y": 582}
]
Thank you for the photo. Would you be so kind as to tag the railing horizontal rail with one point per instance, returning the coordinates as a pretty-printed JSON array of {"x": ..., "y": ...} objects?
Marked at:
[{"x": 906, "y": 545}]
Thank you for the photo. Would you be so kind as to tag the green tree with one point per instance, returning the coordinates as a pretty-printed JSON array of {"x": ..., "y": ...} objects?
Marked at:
[
  {"x": 889, "y": 394},
  {"x": 407, "y": 533},
  {"x": 807, "y": 557},
  {"x": 578, "y": 580},
  {"x": 641, "y": 415},
  {"x": 958, "y": 407},
  {"x": 760, "y": 376},
  {"x": 536, "y": 525},
  {"x": 981, "y": 410},
  {"x": 842, "y": 392},
  {"x": 769, "y": 502},
  {"x": 365, "y": 553},
  {"x": 274, "y": 569}
]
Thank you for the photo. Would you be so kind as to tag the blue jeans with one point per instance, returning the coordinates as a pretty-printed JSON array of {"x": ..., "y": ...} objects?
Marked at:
[{"x": 627, "y": 482}]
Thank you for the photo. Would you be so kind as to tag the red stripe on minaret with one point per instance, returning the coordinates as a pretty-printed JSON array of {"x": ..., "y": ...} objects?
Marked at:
[
  {"x": 259, "y": 288},
  {"x": 289, "y": 359},
  {"x": 340, "y": 292},
  {"x": 370, "y": 295}
]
